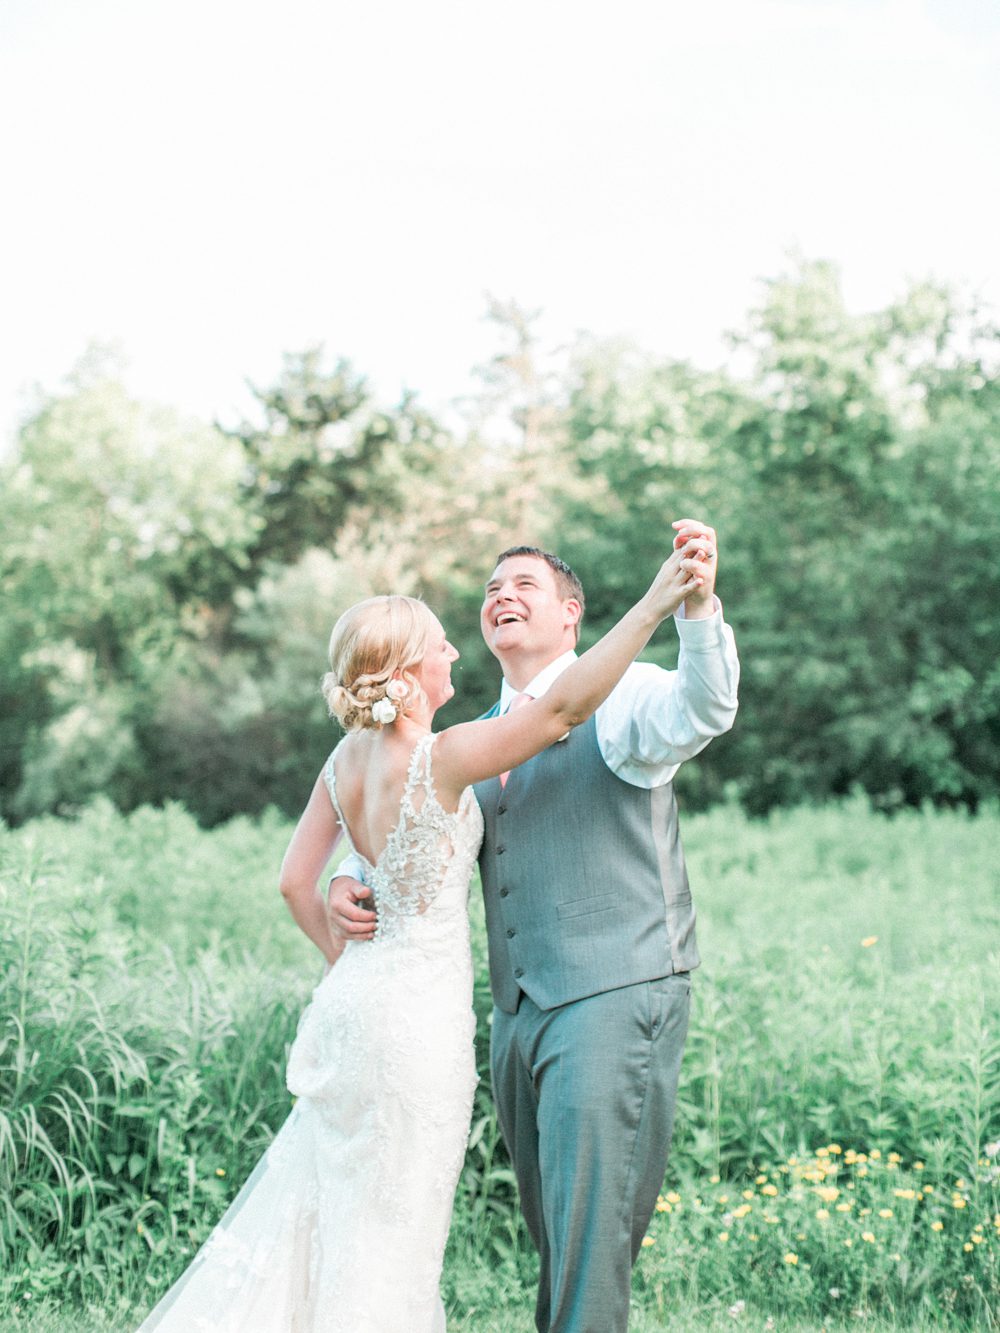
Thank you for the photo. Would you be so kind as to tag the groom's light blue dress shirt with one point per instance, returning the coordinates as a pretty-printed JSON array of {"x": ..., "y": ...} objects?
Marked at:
[{"x": 654, "y": 719}]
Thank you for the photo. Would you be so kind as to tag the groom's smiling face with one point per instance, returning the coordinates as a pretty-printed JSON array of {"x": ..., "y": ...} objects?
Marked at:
[{"x": 524, "y": 612}]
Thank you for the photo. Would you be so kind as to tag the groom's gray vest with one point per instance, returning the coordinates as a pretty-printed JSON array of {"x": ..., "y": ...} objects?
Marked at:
[{"x": 583, "y": 878}]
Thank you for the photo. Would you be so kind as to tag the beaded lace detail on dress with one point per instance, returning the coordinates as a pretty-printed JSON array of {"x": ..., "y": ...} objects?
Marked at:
[{"x": 407, "y": 876}]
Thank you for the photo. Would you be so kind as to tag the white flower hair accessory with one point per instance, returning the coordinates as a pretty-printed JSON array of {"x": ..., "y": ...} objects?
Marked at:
[
  {"x": 384, "y": 711},
  {"x": 396, "y": 690}
]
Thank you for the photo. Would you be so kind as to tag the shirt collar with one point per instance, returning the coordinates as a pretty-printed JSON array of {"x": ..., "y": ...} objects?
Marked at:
[{"x": 537, "y": 686}]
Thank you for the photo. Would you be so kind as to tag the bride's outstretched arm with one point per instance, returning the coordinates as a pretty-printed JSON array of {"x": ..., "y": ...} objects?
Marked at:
[
  {"x": 473, "y": 751},
  {"x": 316, "y": 835}
]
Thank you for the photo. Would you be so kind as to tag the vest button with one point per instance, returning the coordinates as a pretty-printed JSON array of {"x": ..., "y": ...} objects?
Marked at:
[
  {"x": 504, "y": 892},
  {"x": 500, "y": 850},
  {"x": 501, "y": 809},
  {"x": 519, "y": 971},
  {"x": 511, "y": 933}
]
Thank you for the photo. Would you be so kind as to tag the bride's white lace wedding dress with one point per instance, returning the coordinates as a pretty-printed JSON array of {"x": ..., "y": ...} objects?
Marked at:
[{"x": 341, "y": 1227}]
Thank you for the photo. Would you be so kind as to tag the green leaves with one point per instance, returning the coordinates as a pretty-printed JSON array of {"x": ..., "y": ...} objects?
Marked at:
[{"x": 169, "y": 587}]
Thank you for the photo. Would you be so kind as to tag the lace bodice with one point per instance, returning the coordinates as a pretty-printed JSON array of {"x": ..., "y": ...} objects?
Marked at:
[{"x": 428, "y": 850}]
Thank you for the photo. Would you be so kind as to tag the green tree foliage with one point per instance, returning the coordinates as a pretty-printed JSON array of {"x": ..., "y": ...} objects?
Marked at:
[
  {"x": 325, "y": 454},
  {"x": 863, "y": 558},
  {"x": 122, "y": 533},
  {"x": 169, "y": 587},
  {"x": 853, "y": 477}
]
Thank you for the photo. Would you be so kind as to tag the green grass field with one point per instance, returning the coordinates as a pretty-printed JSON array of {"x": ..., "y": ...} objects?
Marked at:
[{"x": 840, "y": 1100}]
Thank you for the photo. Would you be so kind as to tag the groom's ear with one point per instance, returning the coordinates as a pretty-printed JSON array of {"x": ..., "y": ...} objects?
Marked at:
[{"x": 574, "y": 611}]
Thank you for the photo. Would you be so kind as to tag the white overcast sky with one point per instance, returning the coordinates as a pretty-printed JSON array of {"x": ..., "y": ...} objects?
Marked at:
[{"x": 210, "y": 183}]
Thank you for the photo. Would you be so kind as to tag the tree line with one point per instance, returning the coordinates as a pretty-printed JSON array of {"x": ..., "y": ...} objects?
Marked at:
[{"x": 169, "y": 585}]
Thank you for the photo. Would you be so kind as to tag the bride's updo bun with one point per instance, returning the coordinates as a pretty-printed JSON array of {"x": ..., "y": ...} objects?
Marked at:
[{"x": 370, "y": 643}]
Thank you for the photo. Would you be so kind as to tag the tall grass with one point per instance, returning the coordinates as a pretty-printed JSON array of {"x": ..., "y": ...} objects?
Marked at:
[{"x": 150, "y": 983}]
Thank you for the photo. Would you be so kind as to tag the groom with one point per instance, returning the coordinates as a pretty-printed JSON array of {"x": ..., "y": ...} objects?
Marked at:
[{"x": 591, "y": 929}]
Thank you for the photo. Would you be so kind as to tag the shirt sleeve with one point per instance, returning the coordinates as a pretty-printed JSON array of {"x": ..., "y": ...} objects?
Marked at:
[
  {"x": 352, "y": 865},
  {"x": 655, "y": 719}
]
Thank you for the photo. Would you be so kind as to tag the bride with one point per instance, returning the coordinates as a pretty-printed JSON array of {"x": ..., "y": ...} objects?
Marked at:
[{"x": 341, "y": 1227}]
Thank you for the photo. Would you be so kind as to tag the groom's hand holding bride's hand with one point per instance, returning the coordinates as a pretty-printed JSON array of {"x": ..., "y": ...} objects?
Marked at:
[
  {"x": 348, "y": 920},
  {"x": 698, "y": 548}
]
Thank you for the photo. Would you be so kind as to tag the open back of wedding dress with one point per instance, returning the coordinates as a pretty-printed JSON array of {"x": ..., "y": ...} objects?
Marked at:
[{"x": 342, "y": 1225}]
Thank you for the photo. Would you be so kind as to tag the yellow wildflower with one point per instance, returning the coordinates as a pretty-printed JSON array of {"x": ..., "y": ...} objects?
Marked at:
[
  {"x": 760, "y": 1180},
  {"x": 749, "y": 1194},
  {"x": 967, "y": 1248},
  {"x": 663, "y": 1207},
  {"x": 905, "y": 1194},
  {"x": 937, "y": 1226},
  {"x": 844, "y": 1207},
  {"x": 868, "y": 941},
  {"x": 714, "y": 1180},
  {"x": 673, "y": 1197},
  {"x": 723, "y": 1236},
  {"x": 828, "y": 1193},
  {"x": 742, "y": 1210},
  {"x": 822, "y": 1213},
  {"x": 918, "y": 1166},
  {"x": 895, "y": 1158},
  {"x": 791, "y": 1258},
  {"x": 868, "y": 1236},
  {"x": 875, "y": 1155},
  {"x": 977, "y": 1239},
  {"x": 957, "y": 1201},
  {"x": 647, "y": 1241},
  {"x": 885, "y": 1212},
  {"x": 835, "y": 1148},
  {"x": 723, "y": 1198},
  {"x": 770, "y": 1191},
  {"x": 219, "y": 1171}
]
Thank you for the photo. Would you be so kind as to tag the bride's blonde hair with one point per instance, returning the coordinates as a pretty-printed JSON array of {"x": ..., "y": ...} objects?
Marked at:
[{"x": 370, "y": 643}]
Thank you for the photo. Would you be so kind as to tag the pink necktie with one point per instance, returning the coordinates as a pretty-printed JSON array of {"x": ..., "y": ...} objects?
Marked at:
[{"x": 517, "y": 701}]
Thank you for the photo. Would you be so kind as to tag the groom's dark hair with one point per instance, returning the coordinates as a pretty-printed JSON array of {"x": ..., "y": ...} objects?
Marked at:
[{"x": 566, "y": 581}]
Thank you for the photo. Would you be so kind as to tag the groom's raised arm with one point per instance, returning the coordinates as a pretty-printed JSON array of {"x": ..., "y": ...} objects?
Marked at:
[{"x": 656, "y": 719}]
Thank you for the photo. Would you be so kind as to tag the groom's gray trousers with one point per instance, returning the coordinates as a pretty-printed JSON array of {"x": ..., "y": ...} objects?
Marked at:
[
  {"x": 591, "y": 940},
  {"x": 585, "y": 1095}
]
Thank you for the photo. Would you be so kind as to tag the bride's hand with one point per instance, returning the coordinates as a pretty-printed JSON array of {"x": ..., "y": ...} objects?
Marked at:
[
  {"x": 685, "y": 572},
  {"x": 701, "y": 540}
]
